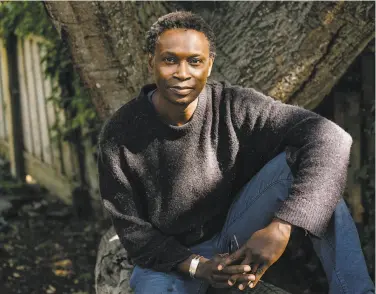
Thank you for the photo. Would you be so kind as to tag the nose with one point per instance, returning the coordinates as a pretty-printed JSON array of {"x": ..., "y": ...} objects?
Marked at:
[{"x": 182, "y": 71}]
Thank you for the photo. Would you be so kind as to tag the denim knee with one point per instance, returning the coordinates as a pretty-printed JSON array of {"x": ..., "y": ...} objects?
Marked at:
[{"x": 279, "y": 167}]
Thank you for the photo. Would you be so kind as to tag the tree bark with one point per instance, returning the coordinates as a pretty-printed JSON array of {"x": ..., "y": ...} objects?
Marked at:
[{"x": 293, "y": 51}]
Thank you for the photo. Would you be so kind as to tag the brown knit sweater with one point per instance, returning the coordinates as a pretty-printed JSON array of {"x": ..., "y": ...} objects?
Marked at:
[{"x": 168, "y": 187}]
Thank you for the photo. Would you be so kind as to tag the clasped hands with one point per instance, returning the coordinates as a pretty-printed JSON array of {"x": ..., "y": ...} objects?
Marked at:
[{"x": 246, "y": 266}]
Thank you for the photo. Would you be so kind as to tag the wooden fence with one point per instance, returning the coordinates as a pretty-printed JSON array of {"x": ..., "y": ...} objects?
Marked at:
[
  {"x": 4, "y": 129},
  {"x": 33, "y": 146}
]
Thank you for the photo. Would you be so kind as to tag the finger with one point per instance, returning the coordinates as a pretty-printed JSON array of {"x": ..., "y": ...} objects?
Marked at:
[
  {"x": 220, "y": 278},
  {"x": 241, "y": 278},
  {"x": 236, "y": 269},
  {"x": 254, "y": 268},
  {"x": 259, "y": 273},
  {"x": 238, "y": 254},
  {"x": 250, "y": 283},
  {"x": 247, "y": 260}
]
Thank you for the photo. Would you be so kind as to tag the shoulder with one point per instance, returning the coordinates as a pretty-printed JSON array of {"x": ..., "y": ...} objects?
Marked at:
[
  {"x": 237, "y": 97},
  {"x": 124, "y": 121}
]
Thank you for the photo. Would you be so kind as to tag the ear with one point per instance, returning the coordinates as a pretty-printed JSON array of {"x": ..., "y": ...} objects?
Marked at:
[
  {"x": 211, "y": 61},
  {"x": 150, "y": 63}
]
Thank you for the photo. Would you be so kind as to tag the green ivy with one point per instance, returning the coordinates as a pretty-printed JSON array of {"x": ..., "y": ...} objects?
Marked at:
[{"x": 30, "y": 18}]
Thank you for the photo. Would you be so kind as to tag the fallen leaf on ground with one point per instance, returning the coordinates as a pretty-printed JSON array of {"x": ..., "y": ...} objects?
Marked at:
[
  {"x": 62, "y": 273},
  {"x": 16, "y": 275},
  {"x": 63, "y": 263},
  {"x": 51, "y": 289}
]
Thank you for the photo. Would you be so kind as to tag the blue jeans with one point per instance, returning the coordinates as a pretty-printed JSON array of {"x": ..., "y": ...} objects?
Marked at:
[{"x": 339, "y": 250}]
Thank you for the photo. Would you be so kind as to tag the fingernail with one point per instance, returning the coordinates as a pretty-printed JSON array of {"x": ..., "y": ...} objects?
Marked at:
[
  {"x": 231, "y": 282},
  {"x": 251, "y": 277},
  {"x": 251, "y": 285},
  {"x": 247, "y": 268},
  {"x": 241, "y": 287},
  {"x": 220, "y": 267}
]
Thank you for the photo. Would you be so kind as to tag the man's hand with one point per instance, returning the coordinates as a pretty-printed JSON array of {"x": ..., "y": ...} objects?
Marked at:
[
  {"x": 263, "y": 249},
  {"x": 208, "y": 270}
]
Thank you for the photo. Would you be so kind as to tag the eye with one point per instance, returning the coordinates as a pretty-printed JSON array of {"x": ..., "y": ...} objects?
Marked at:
[
  {"x": 169, "y": 60},
  {"x": 195, "y": 61}
]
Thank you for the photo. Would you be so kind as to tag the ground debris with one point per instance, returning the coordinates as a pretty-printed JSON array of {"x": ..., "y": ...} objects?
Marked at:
[{"x": 44, "y": 248}]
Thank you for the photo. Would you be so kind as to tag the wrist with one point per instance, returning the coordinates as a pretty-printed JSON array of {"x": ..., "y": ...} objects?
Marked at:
[
  {"x": 201, "y": 268},
  {"x": 183, "y": 267},
  {"x": 282, "y": 226}
]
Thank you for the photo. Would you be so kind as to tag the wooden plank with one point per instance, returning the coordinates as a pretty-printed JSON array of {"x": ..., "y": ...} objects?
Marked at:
[
  {"x": 34, "y": 120},
  {"x": 4, "y": 149},
  {"x": 13, "y": 110},
  {"x": 3, "y": 134},
  {"x": 6, "y": 98},
  {"x": 51, "y": 119},
  {"x": 49, "y": 178},
  {"x": 41, "y": 104},
  {"x": 25, "y": 107},
  {"x": 91, "y": 172},
  {"x": 66, "y": 151},
  {"x": 57, "y": 144}
]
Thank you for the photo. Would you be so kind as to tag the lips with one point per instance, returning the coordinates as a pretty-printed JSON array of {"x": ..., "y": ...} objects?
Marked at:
[{"x": 181, "y": 90}]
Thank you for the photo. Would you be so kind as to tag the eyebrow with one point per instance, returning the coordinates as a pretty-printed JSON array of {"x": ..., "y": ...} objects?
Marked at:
[{"x": 192, "y": 55}]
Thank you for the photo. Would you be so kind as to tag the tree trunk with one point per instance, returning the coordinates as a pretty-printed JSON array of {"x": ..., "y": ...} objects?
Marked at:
[{"x": 293, "y": 51}]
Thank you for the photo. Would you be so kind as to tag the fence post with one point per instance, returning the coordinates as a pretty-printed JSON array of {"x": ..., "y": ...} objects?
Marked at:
[{"x": 13, "y": 111}]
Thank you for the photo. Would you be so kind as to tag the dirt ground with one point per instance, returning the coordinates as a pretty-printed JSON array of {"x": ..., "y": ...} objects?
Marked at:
[{"x": 44, "y": 247}]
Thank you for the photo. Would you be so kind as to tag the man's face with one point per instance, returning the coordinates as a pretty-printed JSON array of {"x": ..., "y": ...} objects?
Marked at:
[{"x": 181, "y": 65}]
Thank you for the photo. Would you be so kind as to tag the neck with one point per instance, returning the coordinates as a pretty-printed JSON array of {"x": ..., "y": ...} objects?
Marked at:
[{"x": 173, "y": 114}]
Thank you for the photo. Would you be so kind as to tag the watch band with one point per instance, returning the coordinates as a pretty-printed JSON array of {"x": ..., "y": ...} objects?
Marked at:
[{"x": 193, "y": 266}]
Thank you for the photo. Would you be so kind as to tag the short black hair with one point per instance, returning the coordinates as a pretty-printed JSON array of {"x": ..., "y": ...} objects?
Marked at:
[{"x": 179, "y": 20}]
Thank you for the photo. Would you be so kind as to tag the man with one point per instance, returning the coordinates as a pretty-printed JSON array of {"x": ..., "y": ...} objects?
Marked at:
[{"x": 204, "y": 181}]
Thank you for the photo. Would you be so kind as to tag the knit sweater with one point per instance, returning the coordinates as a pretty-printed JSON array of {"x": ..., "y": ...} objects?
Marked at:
[{"x": 169, "y": 187}]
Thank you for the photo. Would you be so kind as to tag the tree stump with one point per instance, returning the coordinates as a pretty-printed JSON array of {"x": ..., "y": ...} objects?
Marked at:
[{"x": 113, "y": 270}]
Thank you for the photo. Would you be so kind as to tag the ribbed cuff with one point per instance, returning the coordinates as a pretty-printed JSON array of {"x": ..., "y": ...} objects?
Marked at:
[{"x": 311, "y": 219}]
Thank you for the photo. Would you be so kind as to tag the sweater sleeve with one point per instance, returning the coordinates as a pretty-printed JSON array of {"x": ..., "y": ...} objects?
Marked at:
[
  {"x": 318, "y": 148},
  {"x": 145, "y": 244}
]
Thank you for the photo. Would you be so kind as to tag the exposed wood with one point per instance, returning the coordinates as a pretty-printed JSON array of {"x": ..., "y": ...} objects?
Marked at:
[
  {"x": 50, "y": 111},
  {"x": 33, "y": 110},
  {"x": 3, "y": 132},
  {"x": 13, "y": 109},
  {"x": 25, "y": 108},
  {"x": 41, "y": 102},
  {"x": 49, "y": 178}
]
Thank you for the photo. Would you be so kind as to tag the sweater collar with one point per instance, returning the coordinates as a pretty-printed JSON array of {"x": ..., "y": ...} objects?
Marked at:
[{"x": 196, "y": 118}]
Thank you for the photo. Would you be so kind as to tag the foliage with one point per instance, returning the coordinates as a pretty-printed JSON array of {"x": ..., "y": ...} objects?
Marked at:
[{"x": 29, "y": 18}]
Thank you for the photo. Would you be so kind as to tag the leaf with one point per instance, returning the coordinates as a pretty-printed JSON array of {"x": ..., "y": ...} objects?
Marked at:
[
  {"x": 51, "y": 289},
  {"x": 62, "y": 273},
  {"x": 16, "y": 275},
  {"x": 63, "y": 263}
]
